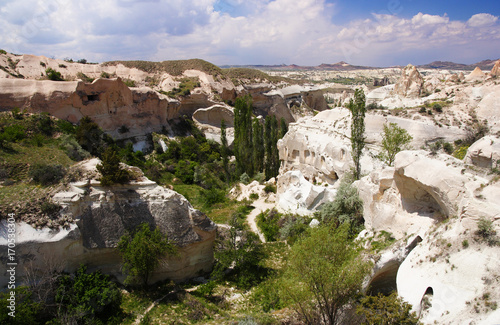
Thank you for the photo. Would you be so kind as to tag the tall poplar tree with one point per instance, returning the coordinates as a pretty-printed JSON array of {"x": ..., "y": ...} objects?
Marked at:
[
  {"x": 258, "y": 145},
  {"x": 358, "y": 110},
  {"x": 224, "y": 150},
  {"x": 243, "y": 144}
]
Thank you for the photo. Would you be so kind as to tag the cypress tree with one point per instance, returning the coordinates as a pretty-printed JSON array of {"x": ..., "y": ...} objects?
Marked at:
[
  {"x": 224, "y": 150},
  {"x": 358, "y": 109},
  {"x": 258, "y": 145},
  {"x": 283, "y": 128},
  {"x": 243, "y": 144}
]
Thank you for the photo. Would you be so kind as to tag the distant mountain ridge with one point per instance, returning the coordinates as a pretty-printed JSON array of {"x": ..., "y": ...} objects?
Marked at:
[{"x": 344, "y": 66}]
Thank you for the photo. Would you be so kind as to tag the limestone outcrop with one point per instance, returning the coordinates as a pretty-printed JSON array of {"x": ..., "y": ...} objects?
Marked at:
[
  {"x": 102, "y": 215},
  {"x": 297, "y": 195},
  {"x": 432, "y": 205},
  {"x": 209, "y": 121},
  {"x": 410, "y": 83},
  {"x": 319, "y": 146},
  {"x": 484, "y": 153},
  {"x": 495, "y": 71},
  {"x": 476, "y": 75},
  {"x": 109, "y": 102}
]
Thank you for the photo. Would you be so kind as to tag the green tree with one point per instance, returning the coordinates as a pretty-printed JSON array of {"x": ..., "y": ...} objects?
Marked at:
[
  {"x": 90, "y": 136},
  {"x": 258, "y": 145},
  {"x": 142, "y": 252},
  {"x": 386, "y": 310},
  {"x": 86, "y": 296},
  {"x": 26, "y": 309},
  {"x": 243, "y": 143},
  {"x": 111, "y": 170},
  {"x": 271, "y": 140},
  {"x": 283, "y": 128},
  {"x": 358, "y": 110},
  {"x": 224, "y": 151},
  {"x": 394, "y": 140},
  {"x": 346, "y": 208},
  {"x": 324, "y": 273},
  {"x": 53, "y": 75}
]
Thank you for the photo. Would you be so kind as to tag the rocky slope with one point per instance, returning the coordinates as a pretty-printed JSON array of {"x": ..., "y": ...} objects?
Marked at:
[
  {"x": 144, "y": 107},
  {"x": 98, "y": 216}
]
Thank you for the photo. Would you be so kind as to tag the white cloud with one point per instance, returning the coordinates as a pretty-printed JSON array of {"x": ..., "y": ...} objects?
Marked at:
[
  {"x": 482, "y": 20},
  {"x": 236, "y": 32}
]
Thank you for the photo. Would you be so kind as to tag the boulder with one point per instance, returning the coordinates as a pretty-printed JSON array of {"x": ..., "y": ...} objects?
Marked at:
[
  {"x": 484, "y": 153},
  {"x": 297, "y": 195},
  {"x": 410, "y": 83},
  {"x": 102, "y": 215}
]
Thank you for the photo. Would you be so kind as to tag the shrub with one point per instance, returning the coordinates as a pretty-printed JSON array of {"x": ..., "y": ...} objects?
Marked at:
[
  {"x": 26, "y": 309},
  {"x": 437, "y": 107},
  {"x": 142, "y": 251},
  {"x": 65, "y": 126},
  {"x": 346, "y": 208},
  {"x": 45, "y": 124},
  {"x": 465, "y": 243},
  {"x": 460, "y": 152},
  {"x": 254, "y": 196},
  {"x": 123, "y": 129},
  {"x": 394, "y": 140},
  {"x": 53, "y": 75},
  {"x": 212, "y": 196},
  {"x": 448, "y": 148},
  {"x": 270, "y": 188},
  {"x": 111, "y": 170},
  {"x": 50, "y": 208},
  {"x": 422, "y": 110},
  {"x": 105, "y": 75},
  {"x": 268, "y": 224},
  {"x": 47, "y": 174},
  {"x": 386, "y": 310},
  {"x": 87, "y": 297},
  {"x": 485, "y": 231},
  {"x": 129, "y": 82},
  {"x": 293, "y": 227},
  {"x": 3, "y": 52},
  {"x": 244, "y": 178},
  {"x": 72, "y": 148},
  {"x": 84, "y": 77}
]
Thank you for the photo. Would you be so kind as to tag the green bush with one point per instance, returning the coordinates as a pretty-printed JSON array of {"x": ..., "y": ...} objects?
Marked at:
[
  {"x": 386, "y": 310},
  {"x": 142, "y": 251},
  {"x": 448, "y": 148},
  {"x": 72, "y": 148},
  {"x": 212, "y": 196},
  {"x": 3, "y": 52},
  {"x": 105, "y": 75},
  {"x": 47, "y": 174},
  {"x": 347, "y": 207},
  {"x": 293, "y": 227},
  {"x": 129, "y": 82},
  {"x": 244, "y": 178},
  {"x": 53, "y": 75},
  {"x": 26, "y": 309},
  {"x": 437, "y": 107},
  {"x": 460, "y": 152},
  {"x": 270, "y": 188},
  {"x": 485, "y": 231},
  {"x": 84, "y": 77},
  {"x": 268, "y": 224},
  {"x": 87, "y": 298},
  {"x": 111, "y": 170}
]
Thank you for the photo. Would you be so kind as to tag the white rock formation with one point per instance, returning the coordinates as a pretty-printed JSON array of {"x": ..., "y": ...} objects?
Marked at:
[
  {"x": 101, "y": 216},
  {"x": 476, "y": 75},
  {"x": 297, "y": 195},
  {"x": 449, "y": 271},
  {"x": 485, "y": 152},
  {"x": 410, "y": 83}
]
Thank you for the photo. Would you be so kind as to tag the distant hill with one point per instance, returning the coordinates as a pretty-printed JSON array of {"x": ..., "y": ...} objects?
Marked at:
[
  {"x": 483, "y": 65},
  {"x": 344, "y": 66}
]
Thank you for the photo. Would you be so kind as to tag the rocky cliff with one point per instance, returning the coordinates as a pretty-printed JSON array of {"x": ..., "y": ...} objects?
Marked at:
[{"x": 101, "y": 215}]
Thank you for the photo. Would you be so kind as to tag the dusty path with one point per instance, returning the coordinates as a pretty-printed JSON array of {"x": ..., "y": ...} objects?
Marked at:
[{"x": 260, "y": 206}]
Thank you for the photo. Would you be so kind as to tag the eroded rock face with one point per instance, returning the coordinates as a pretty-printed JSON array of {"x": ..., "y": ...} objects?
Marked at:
[
  {"x": 484, "y": 153},
  {"x": 476, "y": 75},
  {"x": 495, "y": 71},
  {"x": 103, "y": 214},
  {"x": 109, "y": 102},
  {"x": 410, "y": 83},
  {"x": 432, "y": 205},
  {"x": 209, "y": 121},
  {"x": 319, "y": 146},
  {"x": 297, "y": 195}
]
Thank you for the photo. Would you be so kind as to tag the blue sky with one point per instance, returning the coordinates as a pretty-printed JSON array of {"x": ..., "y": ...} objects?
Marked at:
[{"x": 306, "y": 32}]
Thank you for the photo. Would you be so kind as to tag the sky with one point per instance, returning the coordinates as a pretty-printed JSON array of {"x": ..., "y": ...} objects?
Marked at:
[{"x": 239, "y": 32}]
